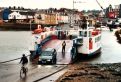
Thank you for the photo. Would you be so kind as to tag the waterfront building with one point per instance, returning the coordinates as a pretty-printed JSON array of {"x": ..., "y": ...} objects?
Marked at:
[
  {"x": 51, "y": 16},
  {"x": 113, "y": 13},
  {"x": 39, "y": 18},
  {"x": 74, "y": 17},
  {"x": 45, "y": 17},
  {"x": 116, "y": 10},
  {"x": 70, "y": 18},
  {"x": 58, "y": 17},
  {"x": 18, "y": 14},
  {"x": 21, "y": 16},
  {"x": 61, "y": 18},
  {"x": 50, "y": 19},
  {"x": 5, "y": 14},
  {"x": 65, "y": 19},
  {"x": 90, "y": 18},
  {"x": 109, "y": 12}
]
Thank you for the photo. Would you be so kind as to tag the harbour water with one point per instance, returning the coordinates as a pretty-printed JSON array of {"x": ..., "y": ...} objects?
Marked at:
[
  {"x": 13, "y": 44},
  {"x": 111, "y": 49}
]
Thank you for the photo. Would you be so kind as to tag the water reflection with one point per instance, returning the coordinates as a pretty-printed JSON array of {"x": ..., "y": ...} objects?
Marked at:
[{"x": 13, "y": 44}]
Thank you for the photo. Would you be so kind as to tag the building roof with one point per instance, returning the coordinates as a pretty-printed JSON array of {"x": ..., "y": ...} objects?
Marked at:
[{"x": 27, "y": 13}]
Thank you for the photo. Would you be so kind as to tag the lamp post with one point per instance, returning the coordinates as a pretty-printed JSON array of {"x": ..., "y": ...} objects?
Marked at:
[
  {"x": 102, "y": 11},
  {"x": 73, "y": 16}
]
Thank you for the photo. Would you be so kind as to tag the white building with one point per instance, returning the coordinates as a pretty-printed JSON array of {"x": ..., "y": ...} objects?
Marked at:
[
  {"x": 21, "y": 15},
  {"x": 62, "y": 18},
  {"x": 16, "y": 15},
  {"x": 71, "y": 19},
  {"x": 65, "y": 19}
]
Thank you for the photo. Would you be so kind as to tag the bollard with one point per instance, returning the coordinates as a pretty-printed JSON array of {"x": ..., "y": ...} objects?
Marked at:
[{"x": 32, "y": 53}]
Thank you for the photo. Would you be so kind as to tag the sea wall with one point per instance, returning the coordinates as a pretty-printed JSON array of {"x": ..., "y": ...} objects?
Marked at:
[
  {"x": 17, "y": 26},
  {"x": 20, "y": 26}
]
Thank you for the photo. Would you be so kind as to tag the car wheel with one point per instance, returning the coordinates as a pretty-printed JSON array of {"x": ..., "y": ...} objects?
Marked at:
[{"x": 52, "y": 61}]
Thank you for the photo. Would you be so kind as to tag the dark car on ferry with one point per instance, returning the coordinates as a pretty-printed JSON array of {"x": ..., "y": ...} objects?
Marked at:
[{"x": 48, "y": 56}]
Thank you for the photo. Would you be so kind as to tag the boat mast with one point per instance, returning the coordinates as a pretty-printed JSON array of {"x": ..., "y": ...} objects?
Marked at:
[{"x": 30, "y": 25}]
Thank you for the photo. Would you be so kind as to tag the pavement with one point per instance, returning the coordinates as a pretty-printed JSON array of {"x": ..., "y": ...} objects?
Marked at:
[
  {"x": 11, "y": 72},
  {"x": 54, "y": 77}
]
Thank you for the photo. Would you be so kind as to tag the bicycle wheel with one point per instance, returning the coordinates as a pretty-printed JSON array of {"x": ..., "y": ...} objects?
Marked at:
[
  {"x": 23, "y": 72},
  {"x": 26, "y": 69}
]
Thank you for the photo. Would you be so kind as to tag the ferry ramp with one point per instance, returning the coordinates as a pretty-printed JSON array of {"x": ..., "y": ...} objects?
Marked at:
[{"x": 62, "y": 58}]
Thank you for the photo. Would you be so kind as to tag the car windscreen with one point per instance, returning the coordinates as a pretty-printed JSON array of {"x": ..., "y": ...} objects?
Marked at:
[{"x": 46, "y": 53}]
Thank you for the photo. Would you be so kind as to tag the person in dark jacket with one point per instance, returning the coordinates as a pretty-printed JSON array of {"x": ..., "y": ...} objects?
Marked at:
[
  {"x": 63, "y": 46},
  {"x": 24, "y": 60}
]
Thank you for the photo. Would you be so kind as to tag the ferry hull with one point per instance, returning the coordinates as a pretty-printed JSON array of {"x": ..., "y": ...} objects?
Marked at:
[
  {"x": 97, "y": 52},
  {"x": 77, "y": 56}
]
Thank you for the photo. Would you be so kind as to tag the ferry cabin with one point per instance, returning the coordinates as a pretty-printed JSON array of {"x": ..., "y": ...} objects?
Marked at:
[{"x": 88, "y": 42}]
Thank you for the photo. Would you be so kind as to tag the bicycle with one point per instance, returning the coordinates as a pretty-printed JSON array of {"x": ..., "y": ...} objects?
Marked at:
[{"x": 23, "y": 72}]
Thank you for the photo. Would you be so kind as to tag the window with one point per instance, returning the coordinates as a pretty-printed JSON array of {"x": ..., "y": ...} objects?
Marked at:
[
  {"x": 42, "y": 37},
  {"x": 81, "y": 33},
  {"x": 97, "y": 39},
  {"x": 80, "y": 40},
  {"x": 46, "y": 53},
  {"x": 90, "y": 34},
  {"x": 85, "y": 34}
]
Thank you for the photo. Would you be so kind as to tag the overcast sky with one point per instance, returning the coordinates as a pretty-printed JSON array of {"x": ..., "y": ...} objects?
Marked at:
[{"x": 42, "y": 4}]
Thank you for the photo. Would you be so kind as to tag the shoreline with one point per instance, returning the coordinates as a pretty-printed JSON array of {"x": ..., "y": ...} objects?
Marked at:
[
  {"x": 17, "y": 27},
  {"x": 85, "y": 72},
  {"x": 22, "y": 26}
]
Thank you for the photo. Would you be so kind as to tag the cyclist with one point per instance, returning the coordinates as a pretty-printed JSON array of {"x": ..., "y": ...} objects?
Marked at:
[
  {"x": 24, "y": 69},
  {"x": 24, "y": 60}
]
